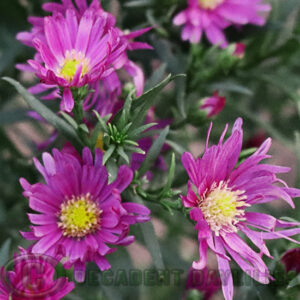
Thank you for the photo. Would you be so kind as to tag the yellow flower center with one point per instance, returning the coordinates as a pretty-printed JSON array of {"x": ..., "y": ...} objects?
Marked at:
[
  {"x": 71, "y": 63},
  {"x": 209, "y": 4},
  {"x": 223, "y": 208},
  {"x": 79, "y": 216}
]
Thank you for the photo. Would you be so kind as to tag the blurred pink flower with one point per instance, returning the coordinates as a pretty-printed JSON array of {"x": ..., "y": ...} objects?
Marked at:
[
  {"x": 213, "y": 105},
  {"x": 291, "y": 260},
  {"x": 211, "y": 17},
  {"x": 239, "y": 50}
]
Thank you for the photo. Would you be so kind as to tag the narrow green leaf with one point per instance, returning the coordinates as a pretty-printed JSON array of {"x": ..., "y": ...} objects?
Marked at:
[
  {"x": 180, "y": 89},
  {"x": 137, "y": 3},
  {"x": 126, "y": 128},
  {"x": 69, "y": 119},
  {"x": 151, "y": 241},
  {"x": 294, "y": 282},
  {"x": 135, "y": 149},
  {"x": 130, "y": 142},
  {"x": 46, "y": 113},
  {"x": 156, "y": 77},
  {"x": 101, "y": 121},
  {"x": 108, "y": 153},
  {"x": 84, "y": 128},
  {"x": 171, "y": 175},
  {"x": 4, "y": 252},
  {"x": 288, "y": 219},
  {"x": 112, "y": 169},
  {"x": 121, "y": 152},
  {"x": 126, "y": 110},
  {"x": 154, "y": 151},
  {"x": 231, "y": 86},
  {"x": 176, "y": 147},
  {"x": 141, "y": 129},
  {"x": 142, "y": 104}
]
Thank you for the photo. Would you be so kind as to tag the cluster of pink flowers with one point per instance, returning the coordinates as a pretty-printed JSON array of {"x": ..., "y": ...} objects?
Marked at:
[
  {"x": 212, "y": 17},
  {"x": 79, "y": 45}
]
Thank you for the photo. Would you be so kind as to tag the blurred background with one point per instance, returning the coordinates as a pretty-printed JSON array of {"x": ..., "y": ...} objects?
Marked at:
[{"x": 263, "y": 88}]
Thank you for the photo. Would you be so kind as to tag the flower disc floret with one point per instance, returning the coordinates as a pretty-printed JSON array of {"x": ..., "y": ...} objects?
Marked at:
[
  {"x": 223, "y": 208},
  {"x": 73, "y": 60},
  {"x": 79, "y": 216},
  {"x": 210, "y": 4}
]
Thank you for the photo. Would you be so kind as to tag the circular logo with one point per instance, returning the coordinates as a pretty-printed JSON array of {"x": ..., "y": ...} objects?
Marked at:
[{"x": 31, "y": 276}]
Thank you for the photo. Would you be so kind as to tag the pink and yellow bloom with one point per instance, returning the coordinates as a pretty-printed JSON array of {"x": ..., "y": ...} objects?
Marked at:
[
  {"x": 220, "y": 195},
  {"x": 76, "y": 53},
  {"x": 77, "y": 212},
  {"x": 211, "y": 17},
  {"x": 33, "y": 278},
  {"x": 97, "y": 69}
]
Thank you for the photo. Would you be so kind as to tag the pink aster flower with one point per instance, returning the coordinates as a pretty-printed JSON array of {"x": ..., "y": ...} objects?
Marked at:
[
  {"x": 213, "y": 105},
  {"x": 76, "y": 52},
  {"x": 221, "y": 195},
  {"x": 110, "y": 86},
  {"x": 77, "y": 212},
  {"x": 127, "y": 37},
  {"x": 33, "y": 278},
  {"x": 211, "y": 17}
]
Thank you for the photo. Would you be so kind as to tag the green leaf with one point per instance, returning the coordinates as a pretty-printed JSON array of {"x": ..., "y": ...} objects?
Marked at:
[
  {"x": 230, "y": 86},
  {"x": 180, "y": 88},
  {"x": 135, "y": 149},
  {"x": 108, "y": 153},
  {"x": 245, "y": 154},
  {"x": 171, "y": 175},
  {"x": 151, "y": 241},
  {"x": 137, "y": 3},
  {"x": 294, "y": 282},
  {"x": 69, "y": 119},
  {"x": 142, "y": 104},
  {"x": 4, "y": 252},
  {"x": 84, "y": 128},
  {"x": 139, "y": 130},
  {"x": 130, "y": 142},
  {"x": 288, "y": 219},
  {"x": 102, "y": 122},
  {"x": 154, "y": 151},
  {"x": 126, "y": 110},
  {"x": 121, "y": 152},
  {"x": 176, "y": 147},
  {"x": 156, "y": 77},
  {"x": 46, "y": 113}
]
